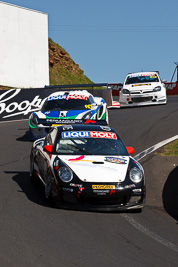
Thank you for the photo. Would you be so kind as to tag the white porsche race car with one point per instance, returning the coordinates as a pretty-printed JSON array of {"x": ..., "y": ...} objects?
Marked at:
[
  {"x": 143, "y": 88},
  {"x": 88, "y": 167}
]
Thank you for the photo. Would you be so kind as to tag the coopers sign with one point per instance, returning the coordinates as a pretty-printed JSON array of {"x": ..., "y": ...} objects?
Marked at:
[
  {"x": 12, "y": 109},
  {"x": 20, "y": 103}
]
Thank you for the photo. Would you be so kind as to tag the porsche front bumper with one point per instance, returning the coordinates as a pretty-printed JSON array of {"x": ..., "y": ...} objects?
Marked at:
[{"x": 112, "y": 201}]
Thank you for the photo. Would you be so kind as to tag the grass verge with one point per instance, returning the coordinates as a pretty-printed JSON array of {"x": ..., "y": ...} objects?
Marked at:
[{"x": 169, "y": 150}]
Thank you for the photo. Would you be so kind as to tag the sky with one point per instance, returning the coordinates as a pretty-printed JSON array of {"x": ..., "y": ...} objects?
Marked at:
[{"x": 110, "y": 38}]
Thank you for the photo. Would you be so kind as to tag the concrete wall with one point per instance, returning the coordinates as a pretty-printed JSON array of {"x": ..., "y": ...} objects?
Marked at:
[{"x": 24, "y": 60}]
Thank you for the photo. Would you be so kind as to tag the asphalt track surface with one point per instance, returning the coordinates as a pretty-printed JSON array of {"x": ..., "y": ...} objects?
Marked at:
[{"x": 34, "y": 233}]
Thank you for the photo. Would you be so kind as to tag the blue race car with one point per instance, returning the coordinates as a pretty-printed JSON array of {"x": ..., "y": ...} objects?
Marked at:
[{"x": 66, "y": 107}]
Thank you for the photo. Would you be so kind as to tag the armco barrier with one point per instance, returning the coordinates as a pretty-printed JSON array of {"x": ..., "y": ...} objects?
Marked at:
[{"x": 16, "y": 104}]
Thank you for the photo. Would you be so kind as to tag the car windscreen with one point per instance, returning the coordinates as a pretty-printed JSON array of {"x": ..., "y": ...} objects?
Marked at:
[
  {"x": 132, "y": 79},
  {"x": 90, "y": 143},
  {"x": 66, "y": 104}
]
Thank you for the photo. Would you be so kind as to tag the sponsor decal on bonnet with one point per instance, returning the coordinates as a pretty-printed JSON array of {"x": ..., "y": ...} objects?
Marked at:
[
  {"x": 142, "y": 84},
  {"x": 118, "y": 160}
]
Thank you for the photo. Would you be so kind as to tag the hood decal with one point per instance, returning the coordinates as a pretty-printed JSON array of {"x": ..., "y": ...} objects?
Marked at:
[
  {"x": 51, "y": 114},
  {"x": 87, "y": 170},
  {"x": 77, "y": 159},
  {"x": 117, "y": 160},
  {"x": 141, "y": 84}
]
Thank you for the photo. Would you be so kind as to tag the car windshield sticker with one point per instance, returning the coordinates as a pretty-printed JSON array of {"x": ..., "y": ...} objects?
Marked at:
[
  {"x": 88, "y": 134},
  {"x": 81, "y": 97},
  {"x": 118, "y": 160},
  {"x": 143, "y": 75},
  {"x": 56, "y": 97}
]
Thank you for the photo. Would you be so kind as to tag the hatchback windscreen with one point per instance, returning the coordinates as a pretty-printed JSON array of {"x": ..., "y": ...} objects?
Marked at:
[
  {"x": 72, "y": 143},
  {"x": 132, "y": 79}
]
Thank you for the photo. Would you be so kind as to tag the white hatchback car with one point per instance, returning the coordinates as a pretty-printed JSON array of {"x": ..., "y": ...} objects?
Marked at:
[{"x": 143, "y": 88}]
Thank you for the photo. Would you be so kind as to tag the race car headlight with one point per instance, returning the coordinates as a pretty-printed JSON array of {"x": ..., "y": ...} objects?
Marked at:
[
  {"x": 65, "y": 174},
  {"x": 125, "y": 91},
  {"x": 136, "y": 175},
  {"x": 157, "y": 88},
  {"x": 87, "y": 116}
]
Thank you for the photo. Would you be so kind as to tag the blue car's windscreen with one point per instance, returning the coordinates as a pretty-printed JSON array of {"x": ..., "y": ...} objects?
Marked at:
[{"x": 66, "y": 104}]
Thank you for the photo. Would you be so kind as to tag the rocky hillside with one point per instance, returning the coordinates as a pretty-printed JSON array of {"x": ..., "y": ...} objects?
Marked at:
[{"x": 62, "y": 69}]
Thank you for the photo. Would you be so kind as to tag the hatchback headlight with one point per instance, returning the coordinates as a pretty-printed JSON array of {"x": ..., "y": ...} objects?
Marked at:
[
  {"x": 157, "y": 88},
  {"x": 125, "y": 91},
  {"x": 65, "y": 174},
  {"x": 136, "y": 175}
]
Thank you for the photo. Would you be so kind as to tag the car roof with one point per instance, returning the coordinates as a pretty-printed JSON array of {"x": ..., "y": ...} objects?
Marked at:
[{"x": 75, "y": 92}]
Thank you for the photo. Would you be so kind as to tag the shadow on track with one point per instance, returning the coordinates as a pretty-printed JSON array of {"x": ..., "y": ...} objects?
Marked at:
[
  {"x": 170, "y": 194},
  {"x": 34, "y": 190},
  {"x": 25, "y": 137}
]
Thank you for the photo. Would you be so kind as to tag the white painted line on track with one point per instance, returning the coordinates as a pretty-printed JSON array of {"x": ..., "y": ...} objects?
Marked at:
[
  {"x": 153, "y": 148},
  {"x": 149, "y": 233}
]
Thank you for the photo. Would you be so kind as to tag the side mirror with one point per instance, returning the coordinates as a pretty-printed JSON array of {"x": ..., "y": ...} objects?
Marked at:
[
  {"x": 164, "y": 81},
  {"x": 130, "y": 150},
  {"x": 48, "y": 148}
]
